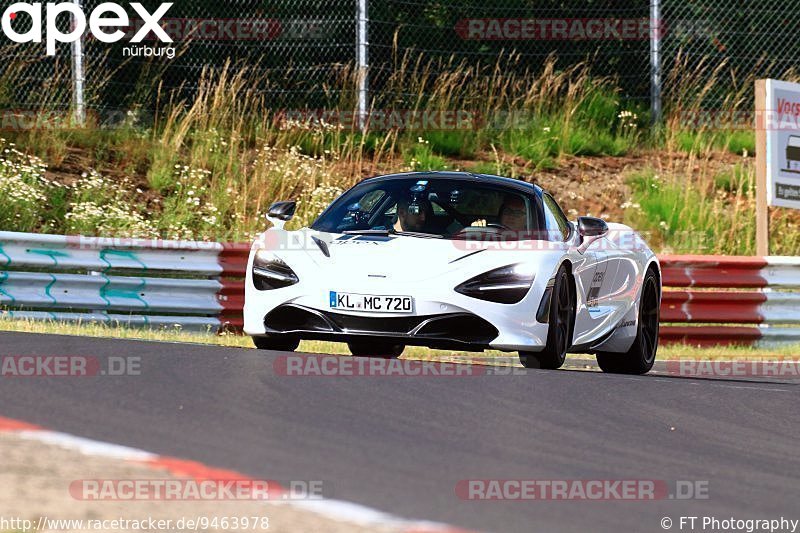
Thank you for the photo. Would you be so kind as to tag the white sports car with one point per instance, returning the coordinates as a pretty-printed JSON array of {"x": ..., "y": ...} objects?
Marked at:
[{"x": 456, "y": 261}]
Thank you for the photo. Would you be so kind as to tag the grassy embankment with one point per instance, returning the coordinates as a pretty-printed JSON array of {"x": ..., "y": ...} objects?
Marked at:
[{"x": 208, "y": 169}]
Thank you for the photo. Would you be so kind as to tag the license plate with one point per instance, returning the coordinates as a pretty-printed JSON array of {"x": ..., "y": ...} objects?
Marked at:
[{"x": 371, "y": 303}]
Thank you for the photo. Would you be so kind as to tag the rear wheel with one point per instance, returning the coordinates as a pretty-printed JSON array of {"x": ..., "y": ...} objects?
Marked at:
[
  {"x": 642, "y": 354},
  {"x": 279, "y": 344},
  {"x": 371, "y": 348},
  {"x": 559, "y": 334}
]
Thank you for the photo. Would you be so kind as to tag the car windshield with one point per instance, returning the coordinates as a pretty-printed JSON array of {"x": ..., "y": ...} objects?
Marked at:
[{"x": 438, "y": 208}]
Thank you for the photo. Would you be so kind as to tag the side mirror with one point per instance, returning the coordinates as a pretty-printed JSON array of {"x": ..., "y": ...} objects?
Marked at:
[
  {"x": 590, "y": 229},
  {"x": 280, "y": 213}
]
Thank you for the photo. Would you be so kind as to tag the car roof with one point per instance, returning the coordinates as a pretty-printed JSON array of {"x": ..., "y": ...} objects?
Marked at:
[{"x": 490, "y": 179}]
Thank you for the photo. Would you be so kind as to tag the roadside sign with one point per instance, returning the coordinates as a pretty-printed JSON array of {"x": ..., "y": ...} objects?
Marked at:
[
  {"x": 777, "y": 152},
  {"x": 782, "y": 125}
]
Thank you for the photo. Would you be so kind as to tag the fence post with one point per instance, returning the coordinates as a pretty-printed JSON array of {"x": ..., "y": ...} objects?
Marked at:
[
  {"x": 362, "y": 57},
  {"x": 655, "y": 60},
  {"x": 78, "y": 102}
]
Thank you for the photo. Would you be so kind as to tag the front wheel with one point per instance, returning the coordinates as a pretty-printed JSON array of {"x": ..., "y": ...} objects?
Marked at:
[
  {"x": 642, "y": 354},
  {"x": 559, "y": 334},
  {"x": 371, "y": 348},
  {"x": 278, "y": 344}
]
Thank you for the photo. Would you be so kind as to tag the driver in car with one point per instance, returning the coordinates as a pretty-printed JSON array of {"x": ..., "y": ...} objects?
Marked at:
[{"x": 412, "y": 215}]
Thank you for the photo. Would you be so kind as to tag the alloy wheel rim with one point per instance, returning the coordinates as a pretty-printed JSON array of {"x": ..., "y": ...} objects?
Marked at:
[
  {"x": 563, "y": 316},
  {"x": 649, "y": 320}
]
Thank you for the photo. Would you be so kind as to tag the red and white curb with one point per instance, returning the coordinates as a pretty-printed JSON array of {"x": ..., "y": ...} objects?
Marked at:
[{"x": 338, "y": 510}]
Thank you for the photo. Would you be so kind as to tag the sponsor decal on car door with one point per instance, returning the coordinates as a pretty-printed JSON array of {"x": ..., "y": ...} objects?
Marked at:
[{"x": 594, "y": 291}]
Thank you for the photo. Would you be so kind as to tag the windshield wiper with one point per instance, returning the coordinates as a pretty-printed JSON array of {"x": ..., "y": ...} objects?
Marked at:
[
  {"x": 379, "y": 232},
  {"x": 419, "y": 234},
  {"x": 387, "y": 232}
]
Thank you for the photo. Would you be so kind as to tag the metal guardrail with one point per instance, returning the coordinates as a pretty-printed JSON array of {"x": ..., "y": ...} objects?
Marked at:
[
  {"x": 75, "y": 291},
  {"x": 125, "y": 281},
  {"x": 102, "y": 254},
  {"x": 707, "y": 300},
  {"x": 730, "y": 300}
]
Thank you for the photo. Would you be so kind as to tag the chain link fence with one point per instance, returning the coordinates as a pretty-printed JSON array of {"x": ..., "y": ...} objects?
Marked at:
[
  {"x": 613, "y": 36},
  {"x": 734, "y": 42},
  {"x": 303, "y": 53}
]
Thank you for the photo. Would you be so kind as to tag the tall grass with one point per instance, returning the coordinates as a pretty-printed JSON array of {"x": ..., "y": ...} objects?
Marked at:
[
  {"x": 536, "y": 115},
  {"x": 222, "y": 159},
  {"x": 209, "y": 167}
]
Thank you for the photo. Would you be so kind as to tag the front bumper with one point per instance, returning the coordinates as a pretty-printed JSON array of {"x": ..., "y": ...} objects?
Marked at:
[
  {"x": 451, "y": 330},
  {"x": 458, "y": 322}
]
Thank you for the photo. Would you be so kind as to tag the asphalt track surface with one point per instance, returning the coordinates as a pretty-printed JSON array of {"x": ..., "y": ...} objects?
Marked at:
[{"x": 401, "y": 444}]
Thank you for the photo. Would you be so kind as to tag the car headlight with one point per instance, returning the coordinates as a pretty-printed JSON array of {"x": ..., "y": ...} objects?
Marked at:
[
  {"x": 270, "y": 272},
  {"x": 506, "y": 285}
]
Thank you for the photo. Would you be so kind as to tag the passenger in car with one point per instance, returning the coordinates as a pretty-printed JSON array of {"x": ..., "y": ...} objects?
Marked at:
[{"x": 513, "y": 214}]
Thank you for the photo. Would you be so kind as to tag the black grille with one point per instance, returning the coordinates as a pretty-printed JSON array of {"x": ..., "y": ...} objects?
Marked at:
[
  {"x": 425, "y": 330},
  {"x": 470, "y": 328},
  {"x": 401, "y": 325}
]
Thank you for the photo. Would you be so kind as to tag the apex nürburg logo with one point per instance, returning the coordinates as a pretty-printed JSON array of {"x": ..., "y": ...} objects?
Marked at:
[{"x": 101, "y": 23}]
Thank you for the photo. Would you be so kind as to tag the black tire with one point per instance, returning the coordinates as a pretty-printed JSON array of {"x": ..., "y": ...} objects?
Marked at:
[
  {"x": 642, "y": 354},
  {"x": 371, "y": 348},
  {"x": 278, "y": 344},
  {"x": 561, "y": 326}
]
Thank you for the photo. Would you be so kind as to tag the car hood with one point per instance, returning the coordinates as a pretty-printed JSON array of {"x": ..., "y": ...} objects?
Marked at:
[{"x": 394, "y": 258}]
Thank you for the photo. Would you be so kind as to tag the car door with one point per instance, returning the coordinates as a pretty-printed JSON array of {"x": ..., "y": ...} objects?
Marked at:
[
  {"x": 593, "y": 275},
  {"x": 624, "y": 270}
]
